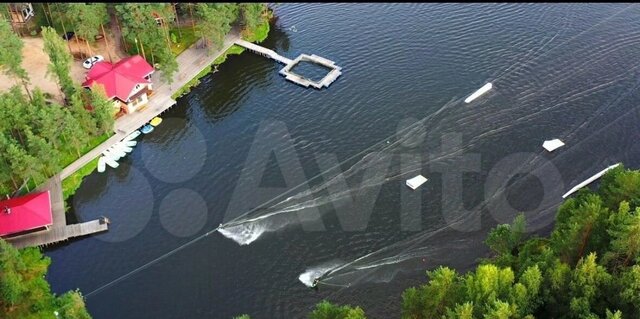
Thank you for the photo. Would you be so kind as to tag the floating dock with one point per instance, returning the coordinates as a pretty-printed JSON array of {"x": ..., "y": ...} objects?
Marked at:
[
  {"x": 416, "y": 182},
  {"x": 552, "y": 145},
  {"x": 332, "y": 75}
]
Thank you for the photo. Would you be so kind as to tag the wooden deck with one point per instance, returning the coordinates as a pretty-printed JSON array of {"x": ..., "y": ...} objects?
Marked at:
[
  {"x": 263, "y": 51},
  {"x": 59, "y": 234}
]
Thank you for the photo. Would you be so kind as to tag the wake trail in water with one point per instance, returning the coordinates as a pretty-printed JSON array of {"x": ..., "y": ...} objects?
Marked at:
[
  {"x": 248, "y": 227},
  {"x": 251, "y": 225},
  {"x": 418, "y": 246}
]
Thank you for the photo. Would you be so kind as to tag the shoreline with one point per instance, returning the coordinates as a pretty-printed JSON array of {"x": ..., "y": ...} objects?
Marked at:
[{"x": 74, "y": 180}]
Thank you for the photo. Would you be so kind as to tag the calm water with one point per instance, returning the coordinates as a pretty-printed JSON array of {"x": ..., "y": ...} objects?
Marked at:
[{"x": 566, "y": 71}]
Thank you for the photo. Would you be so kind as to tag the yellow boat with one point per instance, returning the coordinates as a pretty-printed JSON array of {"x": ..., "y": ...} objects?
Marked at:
[{"x": 156, "y": 121}]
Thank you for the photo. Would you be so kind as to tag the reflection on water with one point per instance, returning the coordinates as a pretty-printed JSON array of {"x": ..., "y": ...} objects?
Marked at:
[{"x": 565, "y": 71}]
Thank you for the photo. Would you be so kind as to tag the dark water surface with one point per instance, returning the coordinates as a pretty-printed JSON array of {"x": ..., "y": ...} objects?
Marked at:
[{"x": 567, "y": 71}]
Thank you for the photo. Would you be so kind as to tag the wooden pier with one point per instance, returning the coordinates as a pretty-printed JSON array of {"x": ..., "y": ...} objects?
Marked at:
[
  {"x": 335, "y": 72},
  {"x": 59, "y": 234},
  {"x": 263, "y": 51}
]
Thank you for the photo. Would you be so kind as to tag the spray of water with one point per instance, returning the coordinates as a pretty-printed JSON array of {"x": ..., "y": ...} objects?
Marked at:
[{"x": 310, "y": 274}]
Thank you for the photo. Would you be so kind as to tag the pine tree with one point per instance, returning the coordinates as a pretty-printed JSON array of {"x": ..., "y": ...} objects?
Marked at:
[
  {"x": 11, "y": 55},
  {"x": 103, "y": 110},
  {"x": 61, "y": 60}
]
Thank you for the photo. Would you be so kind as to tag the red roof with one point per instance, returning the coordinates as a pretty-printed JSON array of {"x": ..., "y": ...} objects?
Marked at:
[
  {"x": 25, "y": 213},
  {"x": 121, "y": 78}
]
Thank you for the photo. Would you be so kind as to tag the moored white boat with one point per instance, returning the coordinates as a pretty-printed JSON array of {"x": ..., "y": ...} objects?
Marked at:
[
  {"x": 109, "y": 154},
  {"x": 109, "y": 161},
  {"x": 132, "y": 136},
  {"x": 589, "y": 180},
  {"x": 130, "y": 143},
  {"x": 122, "y": 147},
  {"x": 117, "y": 152},
  {"x": 101, "y": 164}
]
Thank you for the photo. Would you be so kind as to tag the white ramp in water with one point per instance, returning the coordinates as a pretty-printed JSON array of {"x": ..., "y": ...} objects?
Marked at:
[
  {"x": 551, "y": 145},
  {"x": 589, "y": 180},
  {"x": 416, "y": 181},
  {"x": 479, "y": 92}
]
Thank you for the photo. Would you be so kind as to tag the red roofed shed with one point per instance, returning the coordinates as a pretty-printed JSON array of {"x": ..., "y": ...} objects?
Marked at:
[{"x": 25, "y": 213}]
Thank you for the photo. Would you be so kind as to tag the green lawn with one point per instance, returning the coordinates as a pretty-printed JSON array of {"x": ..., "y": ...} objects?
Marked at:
[
  {"x": 259, "y": 34},
  {"x": 69, "y": 154},
  {"x": 73, "y": 182},
  {"x": 185, "y": 38}
]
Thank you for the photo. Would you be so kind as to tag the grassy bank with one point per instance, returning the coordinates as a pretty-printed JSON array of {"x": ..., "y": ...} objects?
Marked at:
[
  {"x": 68, "y": 156},
  {"x": 184, "y": 36},
  {"x": 73, "y": 182},
  {"x": 258, "y": 35}
]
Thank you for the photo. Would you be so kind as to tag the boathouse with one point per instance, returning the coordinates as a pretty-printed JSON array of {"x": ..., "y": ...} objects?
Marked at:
[
  {"x": 127, "y": 82},
  {"x": 25, "y": 214}
]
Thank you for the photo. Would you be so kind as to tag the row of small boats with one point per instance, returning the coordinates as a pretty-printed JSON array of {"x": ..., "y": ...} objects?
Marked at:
[{"x": 119, "y": 150}]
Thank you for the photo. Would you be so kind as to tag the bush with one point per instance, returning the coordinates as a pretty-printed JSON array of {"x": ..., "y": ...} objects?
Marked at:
[{"x": 174, "y": 39}]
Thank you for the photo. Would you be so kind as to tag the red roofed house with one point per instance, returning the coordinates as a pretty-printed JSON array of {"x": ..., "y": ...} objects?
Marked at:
[
  {"x": 127, "y": 82},
  {"x": 21, "y": 214}
]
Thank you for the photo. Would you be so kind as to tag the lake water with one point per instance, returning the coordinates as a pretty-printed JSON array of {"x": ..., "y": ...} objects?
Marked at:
[{"x": 567, "y": 71}]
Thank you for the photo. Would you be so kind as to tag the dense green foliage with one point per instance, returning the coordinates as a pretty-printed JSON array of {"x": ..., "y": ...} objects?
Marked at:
[
  {"x": 38, "y": 138},
  {"x": 214, "y": 21},
  {"x": 589, "y": 267},
  {"x": 86, "y": 19},
  {"x": 60, "y": 65},
  {"x": 11, "y": 54},
  {"x": 326, "y": 310},
  {"x": 24, "y": 293},
  {"x": 139, "y": 26}
]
